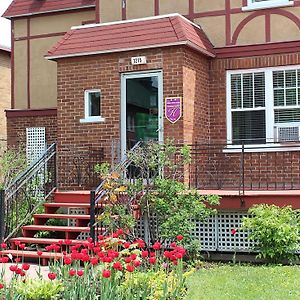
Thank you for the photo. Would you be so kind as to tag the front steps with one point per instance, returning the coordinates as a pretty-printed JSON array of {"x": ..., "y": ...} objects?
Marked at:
[{"x": 71, "y": 210}]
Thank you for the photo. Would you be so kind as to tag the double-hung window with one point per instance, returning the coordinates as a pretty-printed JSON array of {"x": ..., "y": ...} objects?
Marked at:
[
  {"x": 261, "y": 4},
  {"x": 263, "y": 105},
  {"x": 92, "y": 106}
]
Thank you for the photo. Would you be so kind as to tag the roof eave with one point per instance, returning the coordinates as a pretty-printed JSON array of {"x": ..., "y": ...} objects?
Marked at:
[
  {"x": 200, "y": 49},
  {"x": 54, "y": 57},
  {"x": 180, "y": 43},
  {"x": 47, "y": 12}
]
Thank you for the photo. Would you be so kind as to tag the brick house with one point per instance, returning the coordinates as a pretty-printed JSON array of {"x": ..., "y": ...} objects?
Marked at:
[
  {"x": 5, "y": 87},
  {"x": 231, "y": 63}
]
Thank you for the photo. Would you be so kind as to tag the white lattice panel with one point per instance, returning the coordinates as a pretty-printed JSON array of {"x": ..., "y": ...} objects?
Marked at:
[
  {"x": 72, "y": 222},
  {"x": 74, "y": 211},
  {"x": 226, "y": 222},
  {"x": 206, "y": 233},
  {"x": 215, "y": 233},
  {"x": 35, "y": 143}
]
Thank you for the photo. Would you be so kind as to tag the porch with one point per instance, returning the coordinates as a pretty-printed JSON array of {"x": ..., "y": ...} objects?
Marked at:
[{"x": 244, "y": 175}]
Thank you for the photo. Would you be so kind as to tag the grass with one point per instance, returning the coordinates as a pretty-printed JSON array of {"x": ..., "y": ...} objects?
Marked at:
[{"x": 232, "y": 282}]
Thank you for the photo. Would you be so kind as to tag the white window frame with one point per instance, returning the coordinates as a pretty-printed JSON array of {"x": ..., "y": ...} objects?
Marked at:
[
  {"x": 87, "y": 117},
  {"x": 269, "y": 108},
  {"x": 252, "y": 5}
]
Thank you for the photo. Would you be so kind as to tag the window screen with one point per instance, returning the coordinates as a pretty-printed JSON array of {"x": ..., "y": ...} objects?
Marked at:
[{"x": 248, "y": 108}]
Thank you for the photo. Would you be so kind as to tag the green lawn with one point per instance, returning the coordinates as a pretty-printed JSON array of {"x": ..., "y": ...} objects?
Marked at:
[{"x": 245, "y": 282}]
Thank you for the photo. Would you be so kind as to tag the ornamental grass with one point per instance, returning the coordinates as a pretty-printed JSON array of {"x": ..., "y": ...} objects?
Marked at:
[{"x": 111, "y": 268}]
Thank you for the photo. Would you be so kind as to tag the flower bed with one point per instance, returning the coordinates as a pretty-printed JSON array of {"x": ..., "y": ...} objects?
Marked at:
[{"x": 112, "y": 268}]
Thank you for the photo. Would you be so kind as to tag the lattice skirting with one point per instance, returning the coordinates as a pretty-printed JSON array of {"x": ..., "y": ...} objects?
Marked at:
[{"x": 215, "y": 233}]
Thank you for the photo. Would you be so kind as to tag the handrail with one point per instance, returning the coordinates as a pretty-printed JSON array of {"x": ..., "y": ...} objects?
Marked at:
[
  {"x": 28, "y": 173},
  {"x": 27, "y": 191},
  {"x": 98, "y": 193},
  {"x": 123, "y": 164}
]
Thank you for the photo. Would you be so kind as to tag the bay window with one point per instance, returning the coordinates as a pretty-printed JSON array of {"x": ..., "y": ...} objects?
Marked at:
[{"x": 263, "y": 105}]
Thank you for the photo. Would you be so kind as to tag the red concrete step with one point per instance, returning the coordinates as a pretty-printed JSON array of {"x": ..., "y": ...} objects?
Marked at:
[
  {"x": 41, "y": 219},
  {"x": 51, "y": 207},
  {"x": 55, "y": 228},
  {"x": 61, "y": 216},
  {"x": 28, "y": 240},
  {"x": 72, "y": 196},
  {"x": 32, "y": 254}
]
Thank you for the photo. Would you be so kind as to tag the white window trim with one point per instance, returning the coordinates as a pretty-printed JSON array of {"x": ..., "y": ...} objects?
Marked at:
[
  {"x": 269, "y": 107},
  {"x": 87, "y": 118},
  {"x": 267, "y": 4}
]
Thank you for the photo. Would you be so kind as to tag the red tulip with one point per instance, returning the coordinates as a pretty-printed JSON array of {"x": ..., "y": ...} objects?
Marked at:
[
  {"x": 126, "y": 245},
  {"x": 13, "y": 268},
  {"x": 106, "y": 273},
  {"x": 67, "y": 260},
  {"x": 94, "y": 261},
  {"x": 127, "y": 259},
  {"x": 144, "y": 254},
  {"x": 117, "y": 266},
  {"x": 3, "y": 245},
  {"x": 137, "y": 263},
  {"x": 25, "y": 267},
  {"x": 72, "y": 272},
  {"x": 152, "y": 260},
  {"x": 130, "y": 268},
  {"x": 51, "y": 276},
  {"x": 156, "y": 246},
  {"x": 179, "y": 237},
  {"x": 80, "y": 273}
]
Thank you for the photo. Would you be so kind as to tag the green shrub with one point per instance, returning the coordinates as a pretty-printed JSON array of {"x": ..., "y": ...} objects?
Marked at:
[
  {"x": 153, "y": 285},
  {"x": 275, "y": 229},
  {"x": 39, "y": 290}
]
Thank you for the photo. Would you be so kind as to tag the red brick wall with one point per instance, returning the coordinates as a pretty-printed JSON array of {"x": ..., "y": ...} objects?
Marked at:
[
  {"x": 196, "y": 97},
  {"x": 16, "y": 128},
  {"x": 218, "y": 68},
  {"x": 103, "y": 72},
  {"x": 216, "y": 169}
]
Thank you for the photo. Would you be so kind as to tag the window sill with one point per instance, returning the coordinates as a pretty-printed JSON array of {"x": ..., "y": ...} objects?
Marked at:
[
  {"x": 93, "y": 120},
  {"x": 266, "y": 6},
  {"x": 263, "y": 148}
]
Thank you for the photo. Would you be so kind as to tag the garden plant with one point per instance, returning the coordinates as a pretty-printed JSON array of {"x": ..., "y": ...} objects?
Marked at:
[{"x": 111, "y": 268}]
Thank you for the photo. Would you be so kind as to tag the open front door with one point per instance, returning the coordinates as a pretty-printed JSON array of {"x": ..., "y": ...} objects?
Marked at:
[{"x": 141, "y": 108}]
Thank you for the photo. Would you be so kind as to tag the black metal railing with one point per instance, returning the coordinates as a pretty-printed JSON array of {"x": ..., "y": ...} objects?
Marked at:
[
  {"x": 245, "y": 167},
  {"x": 97, "y": 195},
  {"x": 26, "y": 193},
  {"x": 77, "y": 167}
]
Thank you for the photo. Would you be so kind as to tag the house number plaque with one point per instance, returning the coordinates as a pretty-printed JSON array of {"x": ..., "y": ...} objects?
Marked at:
[{"x": 138, "y": 60}]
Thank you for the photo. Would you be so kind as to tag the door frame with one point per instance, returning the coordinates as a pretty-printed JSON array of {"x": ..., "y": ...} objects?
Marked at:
[{"x": 132, "y": 75}]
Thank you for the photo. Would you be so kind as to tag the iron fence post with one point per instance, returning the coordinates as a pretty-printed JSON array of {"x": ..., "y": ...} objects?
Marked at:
[
  {"x": 54, "y": 165},
  {"x": 243, "y": 168},
  {"x": 242, "y": 177},
  {"x": 2, "y": 214},
  {"x": 92, "y": 216}
]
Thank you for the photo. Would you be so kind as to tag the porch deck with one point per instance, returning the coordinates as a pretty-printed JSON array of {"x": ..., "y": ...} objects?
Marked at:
[{"x": 237, "y": 200}]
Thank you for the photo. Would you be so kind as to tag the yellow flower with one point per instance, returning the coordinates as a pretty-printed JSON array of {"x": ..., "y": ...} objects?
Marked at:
[
  {"x": 115, "y": 175},
  {"x": 113, "y": 197},
  {"x": 107, "y": 186},
  {"x": 121, "y": 189}
]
